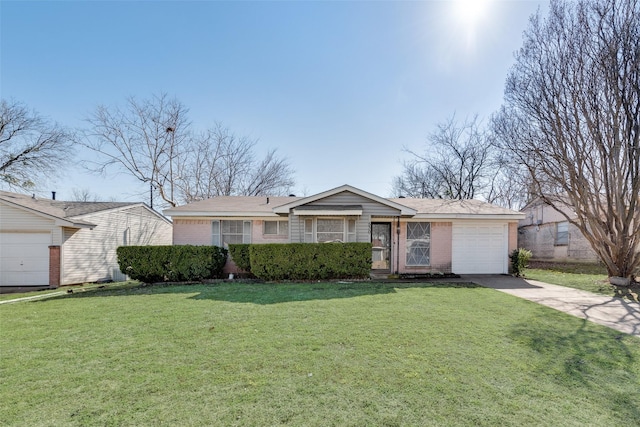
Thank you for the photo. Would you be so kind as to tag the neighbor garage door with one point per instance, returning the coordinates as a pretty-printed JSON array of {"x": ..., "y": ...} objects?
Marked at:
[
  {"x": 479, "y": 248},
  {"x": 24, "y": 259}
]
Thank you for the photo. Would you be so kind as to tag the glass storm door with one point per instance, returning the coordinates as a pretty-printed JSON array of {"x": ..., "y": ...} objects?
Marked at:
[{"x": 381, "y": 242}]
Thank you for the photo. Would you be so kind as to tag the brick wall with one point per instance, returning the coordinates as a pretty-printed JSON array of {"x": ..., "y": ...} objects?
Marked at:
[
  {"x": 54, "y": 266},
  {"x": 192, "y": 232},
  {"x": 441, "y": 247}
]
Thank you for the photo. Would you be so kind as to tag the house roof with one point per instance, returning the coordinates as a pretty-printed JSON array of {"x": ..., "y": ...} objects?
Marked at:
[
  {"x": 232, "y": 206},
  {"x": 252, "y": 206},
  {"x": 67, "y": 213},
  {"x": 444, "y": 208}
]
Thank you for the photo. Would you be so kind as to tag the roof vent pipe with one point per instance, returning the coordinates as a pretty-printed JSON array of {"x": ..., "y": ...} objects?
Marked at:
[
  {"x": 53, "y": 195},
  {"x": 267, "y": 200}
]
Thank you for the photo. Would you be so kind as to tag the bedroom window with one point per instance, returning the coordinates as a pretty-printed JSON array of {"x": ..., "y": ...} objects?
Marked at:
[
  {"x": 225, "y": 232},
  {"x": 418, "y": 244},
  {"x": 562, "y": 233},
  {"x": 276, "y": 228}
]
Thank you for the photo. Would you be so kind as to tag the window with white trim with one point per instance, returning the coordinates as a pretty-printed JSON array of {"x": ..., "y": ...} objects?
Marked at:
[
  {"x": 308, "y": 230},
  {"x": 329, "y": 230},
  {"x": 322, "y": 230},
  {"x": 224, "y": 232},
  {"x": 275, "y": 228},
  {"x": 562, "y": 233},
  {"x": 418, "y": 244}
]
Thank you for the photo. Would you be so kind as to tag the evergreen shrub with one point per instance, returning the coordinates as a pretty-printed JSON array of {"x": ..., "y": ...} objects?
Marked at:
[
  {"x": 179, "y": 263},
  {"x": 310, "y": 261}
]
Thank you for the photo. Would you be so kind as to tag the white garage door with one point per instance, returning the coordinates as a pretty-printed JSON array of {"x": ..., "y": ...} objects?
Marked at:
[
  {"x": 480, "y": 248},
  {"x": 24, "y": 259}
]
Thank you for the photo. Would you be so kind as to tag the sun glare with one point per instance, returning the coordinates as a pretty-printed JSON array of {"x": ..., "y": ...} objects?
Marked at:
[
  {"x": 470, "y": 12},
  {"x": 470, "y": 17}
]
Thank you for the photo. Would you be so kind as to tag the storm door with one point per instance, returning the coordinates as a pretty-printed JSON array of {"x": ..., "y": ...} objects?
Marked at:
[{"x": 381, "y": 242}]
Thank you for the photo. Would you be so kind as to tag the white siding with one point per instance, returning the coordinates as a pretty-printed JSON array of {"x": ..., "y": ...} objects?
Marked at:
[
  {"x": 90, "y": 255},
  {"x": 14, "y": 219}
]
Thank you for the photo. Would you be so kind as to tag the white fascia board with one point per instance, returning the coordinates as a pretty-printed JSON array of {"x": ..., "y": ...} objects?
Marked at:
[
  {"x": 209, "y": 214},
  {"x": 327, "y": 212},
  {"x": 514, "y": 217}
]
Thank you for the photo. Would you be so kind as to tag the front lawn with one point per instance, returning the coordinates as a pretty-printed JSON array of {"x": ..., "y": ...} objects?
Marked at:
[
  {"x": 318, "y": 354},
  {"x": 588, "y": 277}
]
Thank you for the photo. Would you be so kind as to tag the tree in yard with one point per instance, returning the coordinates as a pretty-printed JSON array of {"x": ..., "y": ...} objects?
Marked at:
[
  {"x": 31, "y": 147},
  {"x": 148, "y": 139},
  {"x": 153, "y": 141},
  {"x": 571, "y": 117},
  {"x": 224, "y": 164},
  {"x": 460, "y": 162}
]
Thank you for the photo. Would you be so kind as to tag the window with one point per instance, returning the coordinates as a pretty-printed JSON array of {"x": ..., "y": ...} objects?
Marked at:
[
  {"x": 562, "y": 233},
  {"x": 351, "y": 230},
  {"x": 308, "y": 231},
  {"x": 225, "y": 232},
  {"x": 418, "y": 243},
  {"x": 330, "y": 230},
  {"x": 276, "y": 228}
]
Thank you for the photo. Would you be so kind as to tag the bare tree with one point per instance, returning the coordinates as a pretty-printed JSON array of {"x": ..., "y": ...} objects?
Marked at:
[
  {"x": 418, "y": 180},
  {"x": 225, "y": 165},
  {"x": 147, "y": 139},
  {"x": 571, "y": 116},
  {"x": 31, "y": 147},
  {"x": 84, "y": 195},
  {"x": 152, "y": 140},
  {"x": 458, "y": 163}
]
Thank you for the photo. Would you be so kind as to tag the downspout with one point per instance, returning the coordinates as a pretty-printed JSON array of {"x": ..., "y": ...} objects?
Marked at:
[{"x": 397, "y": 245}]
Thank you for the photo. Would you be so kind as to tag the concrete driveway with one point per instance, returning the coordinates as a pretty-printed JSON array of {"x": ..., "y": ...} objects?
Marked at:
[{"x": 615, "y": 313}]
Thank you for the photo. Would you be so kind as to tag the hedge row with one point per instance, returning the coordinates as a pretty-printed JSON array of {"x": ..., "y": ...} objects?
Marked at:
[
  {"x": 151, "y": 264},
  {"x": 308, "y": 261}
]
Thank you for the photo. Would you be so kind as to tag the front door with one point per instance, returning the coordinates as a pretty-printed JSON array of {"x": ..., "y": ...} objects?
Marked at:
[{"x": 381, "y": 242}]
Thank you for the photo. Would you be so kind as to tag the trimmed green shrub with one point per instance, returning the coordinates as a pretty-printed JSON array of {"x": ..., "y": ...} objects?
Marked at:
[
  {"x": 519, "y": 261},
  {"x": 239, "y": 253},
  {"x": 310, "y": 261},
  {"x": 151, "y": 264}
]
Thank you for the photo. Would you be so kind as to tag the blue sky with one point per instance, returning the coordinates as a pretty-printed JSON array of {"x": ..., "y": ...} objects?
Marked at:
[{"x": 337, "y": 87}]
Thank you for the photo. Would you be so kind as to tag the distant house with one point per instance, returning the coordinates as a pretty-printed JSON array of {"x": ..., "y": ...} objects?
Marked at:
[
  {"x": 549, "y": 236},
  {"x": 413, "y": 236},
  {"x": 48, "y": 243}
]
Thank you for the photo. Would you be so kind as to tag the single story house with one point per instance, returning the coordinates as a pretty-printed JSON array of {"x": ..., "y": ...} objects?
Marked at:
[
  {"x": 48, "y": 243},
  {"x": 409, "y": 236},
  {"x": 549, "y": 236}
]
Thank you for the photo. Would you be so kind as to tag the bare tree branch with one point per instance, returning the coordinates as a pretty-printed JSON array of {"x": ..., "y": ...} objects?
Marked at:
[
  {"x": 152, "y": 140},
  {"x": 572, "y": 115},
  {"x": 460, "y": 162},
  {"x": 31, "y": 148}
]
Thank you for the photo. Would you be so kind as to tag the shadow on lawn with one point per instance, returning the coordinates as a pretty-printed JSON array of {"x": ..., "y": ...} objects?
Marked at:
[
  {"x": 599, "y": 360},
  {"x": 265, "y": 293}
]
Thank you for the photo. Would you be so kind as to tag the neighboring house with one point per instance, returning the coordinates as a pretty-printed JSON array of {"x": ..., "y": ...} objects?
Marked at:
[
  {"x": 48, "y": 243},
  {"x": 549, "y": 236},
  {"x": 410, "y": 236}
]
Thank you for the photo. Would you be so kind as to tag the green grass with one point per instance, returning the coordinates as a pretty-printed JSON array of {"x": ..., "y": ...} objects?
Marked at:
[
  {"x": 587, "y": 277},
  {"x": 315, "y": 354}
]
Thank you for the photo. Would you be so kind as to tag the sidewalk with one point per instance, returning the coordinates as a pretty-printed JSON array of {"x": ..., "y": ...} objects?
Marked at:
[{"x": 615, "y": 313}]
